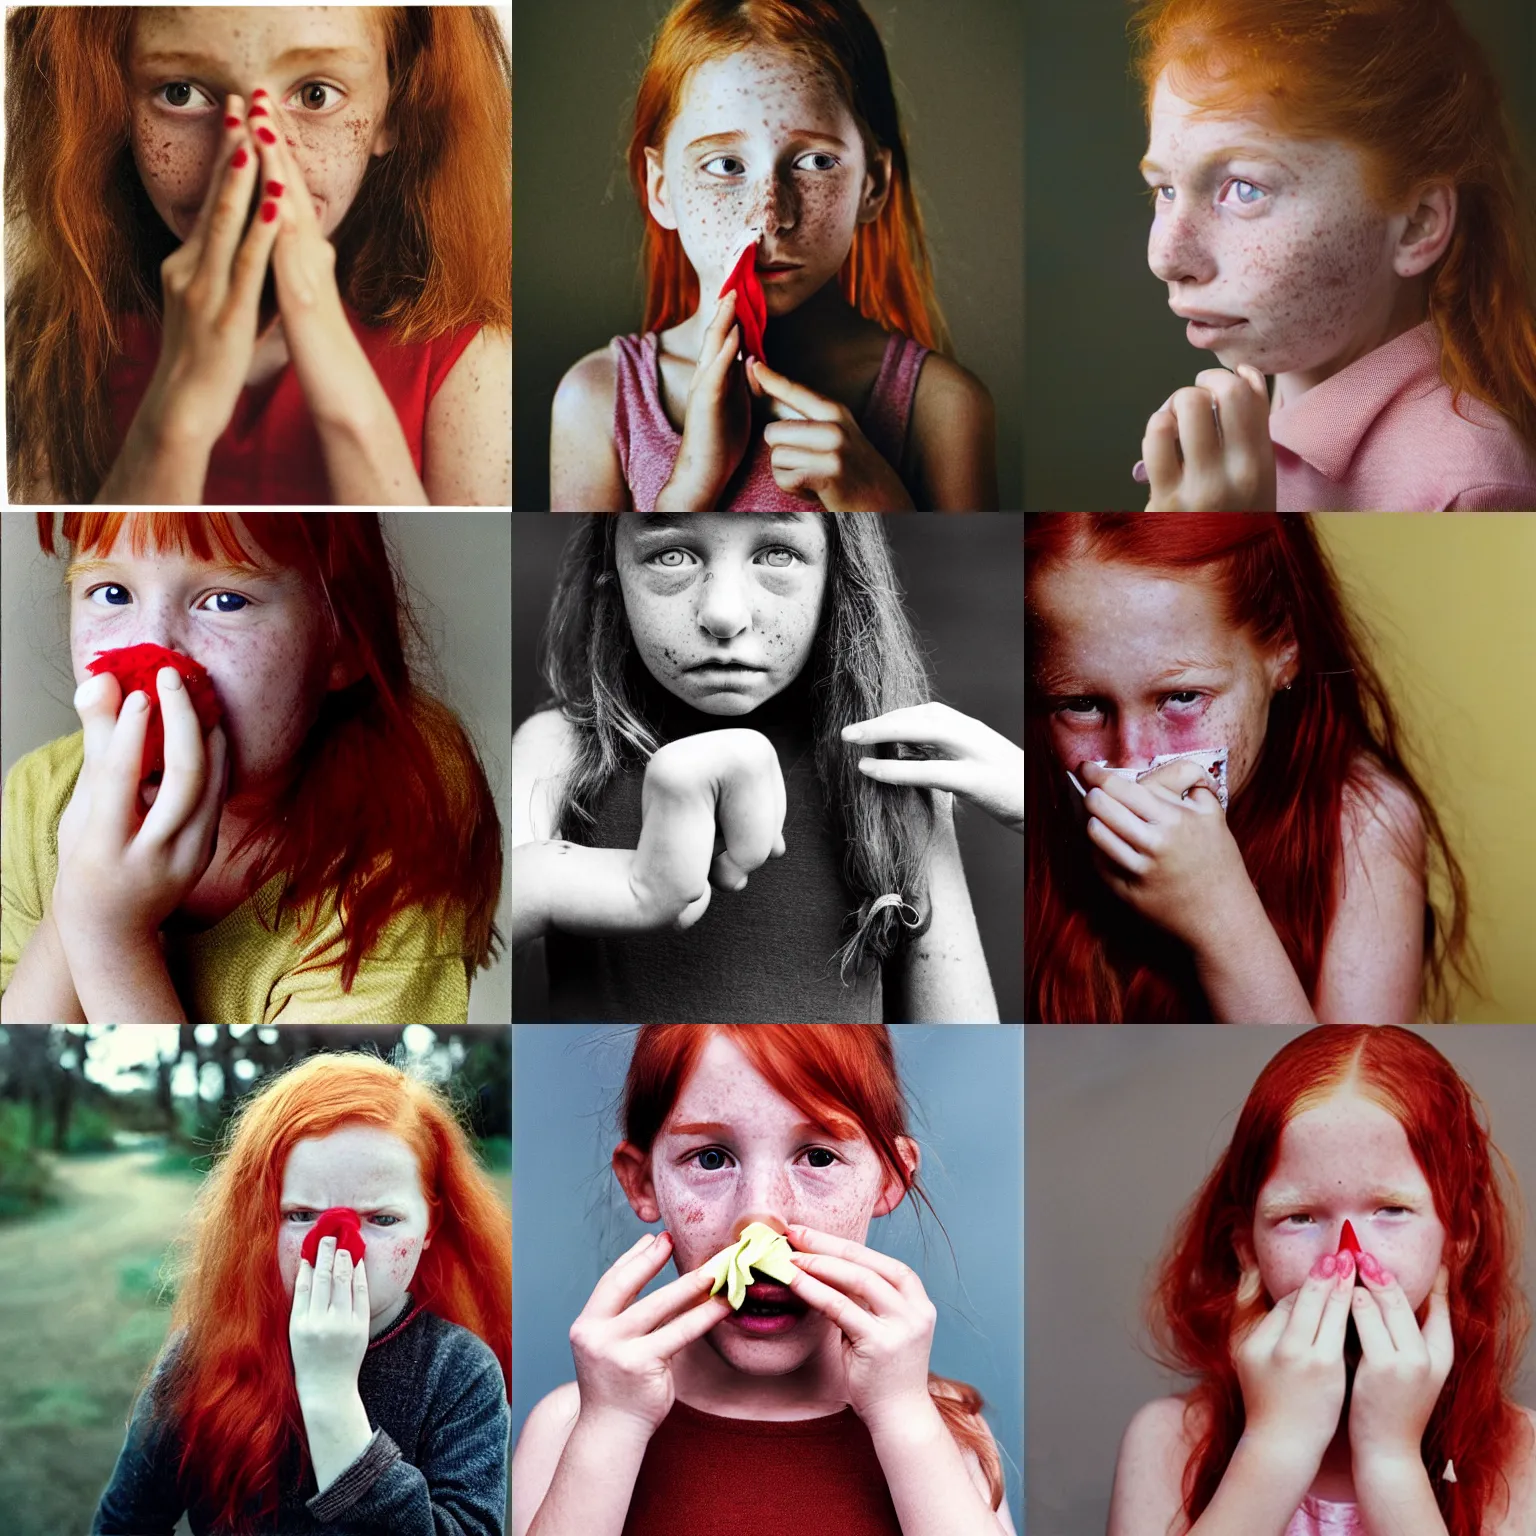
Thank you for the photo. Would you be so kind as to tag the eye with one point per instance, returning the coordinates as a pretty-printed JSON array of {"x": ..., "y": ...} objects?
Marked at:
[
  {"x": 781, "y": 549},
  {"x": 379, "y": 1220},
  {"x": 704, "y": 1152},
  {"x": 816, "y": 154},
  {"x": 1185, "y": 696},
  {"x": 717, "y": 160},
  {"x": 306, "y": 95},
  {"x": 1077, "y": 704},
  {"x": 1247, "y": 202},
  {"x": 302, "y": 1215},
  {"x": 179, "y": 93},
  {"x": 660, "y": 560},
  {"x": 1401, "y": 1209},
  {"x": 1296, "y": 1216},
  {"x": 110, "y": 586},
  {"x": 218, "y": 597}
]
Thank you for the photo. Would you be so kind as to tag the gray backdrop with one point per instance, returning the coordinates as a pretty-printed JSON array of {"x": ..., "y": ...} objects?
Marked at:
[
  {"x": 571, "y": 1220},
  {"x": 1124, "y": 1124},
  {"x": 1104, "y": 352},
  {"x": 964, "y": 580},
  {"x": 957, "y": 66},
  {"x": 455, "y": 566}
]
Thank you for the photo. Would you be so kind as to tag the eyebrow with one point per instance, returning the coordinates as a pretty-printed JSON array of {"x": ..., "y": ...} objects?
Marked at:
[
  {"x": 682, "y": 522},
  {"x": 1222, "y": 156},
  {"x": 78, "y": 569},
  {"x": 720, "y": 1128},
  {"x": 180, "y": 59},
  {"x": 1290, "y": 1197},
  {"x": 736, "y": 135}
]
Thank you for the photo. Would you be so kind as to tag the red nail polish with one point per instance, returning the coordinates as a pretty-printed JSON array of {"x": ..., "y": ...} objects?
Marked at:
[
  {"x": 1347, "y": 1239},
  {"x": 1326, "y": 1267},
  {"x": 274, "y": 188},
  {"x": 268, "y": 212},
  {"x": 266, "y": 136},
  {"x": 258, "y": 110},
  {"x": 663, "y": 1237},
  {"x": 231, "y": 121},
  {"x": 241, "y": 156},
  {"x": 259, "y": 91}
]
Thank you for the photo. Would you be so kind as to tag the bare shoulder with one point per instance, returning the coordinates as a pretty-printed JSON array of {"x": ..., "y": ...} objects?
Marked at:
[
  {"x": 1149, "y": 1474},
  {"x": 954, "y": 437},
  {"x": 1518, "y": 1518},
  {"x": 539, "y": 1448},
  {"x": 543, "y": 749},
  {"x": 471, "y": 410},
  {"x": 584, "y": 470},
  {"x": 978, "y": 1423},
  {"x": 1380, "y": 814}
]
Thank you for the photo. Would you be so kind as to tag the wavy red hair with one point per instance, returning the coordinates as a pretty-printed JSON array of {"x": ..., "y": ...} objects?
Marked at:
[
  {"x": 1089, "y": 958},
  {"x": 1405, "y": 82},
  {"x": 1195, "y": 1307},
  {"x": 836, "y": 1075},
  {"x": 231, "y": 1394},
  {"x": 389, "y": 807},
  {"x": 425, "y": 248},
  {"x": 887, "y": 276}
]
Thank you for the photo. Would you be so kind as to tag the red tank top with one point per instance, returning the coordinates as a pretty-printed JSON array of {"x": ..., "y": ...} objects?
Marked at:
[
  {"x": 704, "y": 1475},
  {"x": 269, "y": 454}
]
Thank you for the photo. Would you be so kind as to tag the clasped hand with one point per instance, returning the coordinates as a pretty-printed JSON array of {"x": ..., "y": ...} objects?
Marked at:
[{"x": 1209, "y": 449}]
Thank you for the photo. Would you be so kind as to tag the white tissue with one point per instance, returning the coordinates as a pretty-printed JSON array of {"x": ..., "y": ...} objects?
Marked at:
[{"x": 1212, "y": 759}]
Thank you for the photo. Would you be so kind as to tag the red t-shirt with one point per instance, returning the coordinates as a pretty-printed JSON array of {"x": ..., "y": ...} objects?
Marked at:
[{"x": 269, "y": 454}]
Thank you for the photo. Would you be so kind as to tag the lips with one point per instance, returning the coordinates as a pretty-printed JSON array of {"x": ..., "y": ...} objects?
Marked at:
[
  {"x": 734, "y": 666},
  {"x": 768, "y": 1296},
  {"x": 1205, "y": 317}
]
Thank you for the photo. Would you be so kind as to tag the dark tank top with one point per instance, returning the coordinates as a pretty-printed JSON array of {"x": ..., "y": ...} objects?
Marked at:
[
  {"x": 760, "y": 956},
  {"x": 704, "y": 1475}
]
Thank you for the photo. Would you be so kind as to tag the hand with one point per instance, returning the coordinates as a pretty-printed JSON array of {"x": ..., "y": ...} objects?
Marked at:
[
  {"x": 211, "y": 292},
  {"x": 826, "y": 455},
  {"x": 328, "y": 1325},
  {"x": 624, "y": 1348},
  {"x": 1212, "y": 451},
  {"x": 884, "y": 1314},
  {"x": 1162, "y": 844},
  {"x": 1290, "y": 1363},
  {"x": 729, "y": 778},
  {"x": 717, "y": 418},
  {"x": 124, "y": 869},
  {"x": 982, "y": 766},
  {"x": 1402, "y": 1370}
]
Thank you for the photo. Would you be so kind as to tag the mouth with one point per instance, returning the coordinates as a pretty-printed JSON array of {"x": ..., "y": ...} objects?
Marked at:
[
  {"x": 1207, "y": 318},
  {"x": 777, "y": 269},
  {"x": 769, "y": 1309},
  {"x": 724, "y": 666}
]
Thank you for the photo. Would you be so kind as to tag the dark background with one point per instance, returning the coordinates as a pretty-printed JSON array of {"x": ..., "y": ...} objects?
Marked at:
[
  {"x": 1103, "y": 350},
  {"x": 957, "y": 67},
  {"x": 964, "y": 580}
]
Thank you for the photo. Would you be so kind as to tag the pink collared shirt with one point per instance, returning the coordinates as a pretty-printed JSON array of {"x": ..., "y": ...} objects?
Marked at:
[{"x": 1381, "y": 436}]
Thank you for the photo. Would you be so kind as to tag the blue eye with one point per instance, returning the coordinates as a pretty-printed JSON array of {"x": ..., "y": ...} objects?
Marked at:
[
  {"x": 219, "y": 597},
  {"x": 720, "y": 1152},
  {"x": 1248, "y": 202}
]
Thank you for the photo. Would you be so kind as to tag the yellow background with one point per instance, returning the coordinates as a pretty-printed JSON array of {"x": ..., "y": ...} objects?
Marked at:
[{"x": 1448, "y": 603}]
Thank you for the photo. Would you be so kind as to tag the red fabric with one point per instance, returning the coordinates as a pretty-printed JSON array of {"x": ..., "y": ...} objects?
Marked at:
[
  {"x": 1347, "y": 1239},
  {"x": 269, "y": 454},
  {"x": 751, "y": 306},
  {"x": 135, "y": 666},
  {"x": 342, "y": 1224}
]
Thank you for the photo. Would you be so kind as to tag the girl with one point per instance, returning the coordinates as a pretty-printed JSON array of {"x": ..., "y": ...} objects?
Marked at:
[
  {"x": 1297, "y": 1423},
  {"x": 1145, "y": 899},
  {"x": 1338, "y": 203},
  {"x": 702, "y": 669},
  {"x": 840, "y": 1419},
  {"x": 165, "y": 161},
  {"x": 770, "y": 126},
  {"x": 348, "y": 867},
  {"x": 293, "y": 1394}
]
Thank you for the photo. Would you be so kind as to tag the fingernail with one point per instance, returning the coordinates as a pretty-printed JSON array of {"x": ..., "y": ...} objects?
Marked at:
[
  {"x": 1326, "y": 1267},
  {"x": 266, "y": 135},
  {"x": 258, "y": 109},
  {"x": 231, "y": 121},
  {"x": 268, "y": 212},
  {"x": 138, "y": 700},
  {"x": 1345, "y": 1264},
  {"x": 274, "y": 188},
  {"x": 241, "y": 156},
  {"x": 1370, "y": 1268},
  {"x": 663, "y": 1237},
  {"x": 259, "y": 91},
  {"x": 169, "y": 677}
]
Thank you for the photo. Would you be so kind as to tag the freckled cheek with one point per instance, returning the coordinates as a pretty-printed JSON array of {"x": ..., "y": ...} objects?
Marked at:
[{"x": 175, "y": 163}]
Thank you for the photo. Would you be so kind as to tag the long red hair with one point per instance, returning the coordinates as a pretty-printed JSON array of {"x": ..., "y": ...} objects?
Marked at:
[
  {"x": 388, "y": 807},
  {"x": 232, "y": 1395},
  {"x": 425, "y": 248},
  {"x": 1195, "y": 1307},
  {"x": 1089, "y": 957},
  {"x": 1405, "y": 82},
  {"x": 887, "y": 277},
  {"x": 834, "y": 1074}
]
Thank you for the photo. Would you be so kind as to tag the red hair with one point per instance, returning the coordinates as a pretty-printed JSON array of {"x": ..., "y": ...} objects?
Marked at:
[
  {"x": 833, "y": 1074},
  {"x": 388, "y": 807},
  {"x": 1090, "y": 958},
  {"x": 1195, "y": 1305},
  {"x": 887, "y": 276},
  {"x": 1406, "y": 83},
  {"x": 231, "y": 1394},
  {"x": 425, "y": 247}
]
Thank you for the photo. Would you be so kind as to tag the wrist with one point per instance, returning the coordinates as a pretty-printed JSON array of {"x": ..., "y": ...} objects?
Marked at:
[
  {"x": 685, "y": 492},
  {"x": 614, "y": 1434},
  {"x": 324, "y": 1400},
  {"x": 904, "y": 1421}
]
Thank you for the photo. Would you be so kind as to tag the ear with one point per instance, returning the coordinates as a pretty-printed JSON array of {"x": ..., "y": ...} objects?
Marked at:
[
  {"x": 384, "y": 140},
  {"x": 657, "y": 197},
  {"x": 632, "y": 1169},
  {"x": 1428, "y": 229},
  {"x": 877, "y": 187},
  {"x": 893, "y": 1192},
  {"x": 346, "y": 669},
  {"x": 1282, "y": 664}
]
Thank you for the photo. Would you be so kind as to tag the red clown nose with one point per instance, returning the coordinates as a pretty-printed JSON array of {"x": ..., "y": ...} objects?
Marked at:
[
  {"x": 343, "y": 1225},
  {"x": 135, "y": 666},
  {"x": 1347, "y": 1239}
]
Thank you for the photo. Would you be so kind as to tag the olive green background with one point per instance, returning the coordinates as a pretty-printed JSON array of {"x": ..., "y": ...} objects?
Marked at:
[{"x": 1103, "y": 351}]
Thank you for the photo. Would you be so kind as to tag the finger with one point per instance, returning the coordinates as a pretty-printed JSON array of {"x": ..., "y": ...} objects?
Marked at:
[
  {"x": 807, "y": 436},
  {"x": 1121, "y": 820},
  {"x": 360, "y": 1287},
  {"x": 325, "y": 1260},
  {"x": 1199, "y": 436},
  {"x": 927, "y": 725},
  {"x": 115, "y": 792},
  {"x": 1135, "y": 796},
  {"x": 726, "y": 356},
  {"x": 98, "y": 702},
  {"x": 749, "y": 833},
  {"x": 812, "y": 406},
  {"x": 1126, "y": 859},
  {"x": 341, "y": 1278},
  {"x": 1376, "y": 1342},
  {"x": 709, "y": 1312},
  {"x": 302, "y": 1285},
  {"x": 236, "y": 137},
  {"x": 186, "y": 768},
  {"x": 1173, "y": 781},
  {"x": 1437, "y": 1325},
  {"x": 1336, "y": 1305},
  {"x": 843, "y": 1310},
  {"x": 923, "y": 773},
  {"x": 1307, "y": 1313},
  {"x": 1160, "y": 453},
  {"x": 874, "y": 1292},
  {"x": 280, "y": 186},
  {"x": 1264, "y": 1331},
  {"x": 666, "y": 1302},
  {"x": 628, "y": 1276},
  {"x": 226, "y": 222},
  {"x": 1242, "y": 415},
  {"x": 1395, "y": 1311}
]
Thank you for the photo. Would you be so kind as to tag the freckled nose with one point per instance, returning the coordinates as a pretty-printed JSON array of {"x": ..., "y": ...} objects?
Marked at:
[
  {"x": 1177, "y": 248},
  {"x": 1135, "y": 742},
  {"x": 774, "y": 204}
]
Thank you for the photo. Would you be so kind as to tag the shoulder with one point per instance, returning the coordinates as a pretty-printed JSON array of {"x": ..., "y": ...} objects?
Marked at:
[
  {"x": 543, "y": 750},
  {"x": 588, "y": 386},
  {"x": 1380, "y": 814},
  {"x": 953, "y": 435},
  {"x": 976, "y": 1423},
  {"x": 585, "y": 472},
  {"x": 1149, "y": 1472},
  {"x": 472, "y": 409},
  {"x": 1518, "y": 1516},
  {"x": 539, "y": 1447}
]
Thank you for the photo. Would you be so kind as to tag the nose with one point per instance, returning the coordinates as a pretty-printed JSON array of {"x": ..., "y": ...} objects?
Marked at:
[
  {"x": 724, "y": 609},
  {"x": 161, "y": 621},
  {"x": 766, "y": 1195},
  {"x": 774, "y": 203},
  {"x": 1134, "y": 740},
  {"x": 1178, "y": 248}
]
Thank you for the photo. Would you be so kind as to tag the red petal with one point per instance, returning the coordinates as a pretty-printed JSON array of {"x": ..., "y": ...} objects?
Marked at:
[{"x": 751, "y": 305}]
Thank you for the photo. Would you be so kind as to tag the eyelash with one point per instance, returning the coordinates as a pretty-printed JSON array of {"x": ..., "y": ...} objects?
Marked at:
[
  {"x": 678, "y": 550},
  {"x": 1236, "y": 181},
  {"x": 377, "y": 1220},
  {"x": 224, "y": 612},
  {"x": 1193, "y": 694},
  {"x": 181, "y": 110},
  {"x": 1294, "y": 1214},
  {"x": 699, "y": 1152},
  {"x": 821, "y": 152}
]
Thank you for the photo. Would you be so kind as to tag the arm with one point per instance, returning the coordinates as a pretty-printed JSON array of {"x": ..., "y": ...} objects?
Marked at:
[
  {"x": 954, "y": 432},
  {"x": 581, "y": 890},
  {"x": 1396, "y": 1499},
  {"x": 930, "y": 1484},
  {"x": 42, "y": 991},
  {"x": 156, "y": 464},
  {"x": 584, "y": 470},
  {"x": 1246, "y": 973},
  {"x": 121, "y": 981},
  {"x": 143, "y": 1497},
  {"x": 467, "y": 452},
  {"x": 593, "y": 1483},
  {"x": 366, "y": 457}
]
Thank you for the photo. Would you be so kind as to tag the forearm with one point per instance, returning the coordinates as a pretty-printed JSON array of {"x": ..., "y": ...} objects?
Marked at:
[
  {"x": 121, "y": 981},
  {"x": 1258, "y": 1494},
  {"x": 577, "y": 890},
  {"x": 337, "y": 1432},
  {"x": 42, "y": 990},
  {"x": 156, "y": 464},
  {"x": 593, "y": 1483},
  {"x": 1246, "y": 973},
  {"x": 683, "y": 493},
  {"x": 1396, "y": 1498},
  {"x": 366, "y": 457},
  {"x": 930, "y": 1484}
]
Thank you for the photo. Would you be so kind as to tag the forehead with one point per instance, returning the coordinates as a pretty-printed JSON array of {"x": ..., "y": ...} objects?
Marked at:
[
  {"x": 227, "y": 32},
  {"x": 718, "y": 530},
  {"x": 759, "y": 90},
  {"x": 1344, "y": 1141},
  {"x": 358, "y": 1161},
  {"x": 724, "y": 1083}
]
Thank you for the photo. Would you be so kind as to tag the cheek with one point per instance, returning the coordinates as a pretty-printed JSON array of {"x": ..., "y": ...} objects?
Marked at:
[
  {"x": 394, "y": 1259},
  {"x": 175, "y": 163},
  {"x": 1312, "y": 281}
]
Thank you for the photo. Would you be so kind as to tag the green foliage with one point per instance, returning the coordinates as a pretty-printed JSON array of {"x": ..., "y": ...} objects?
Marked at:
[
  {"x": 60, "y": 1405},
  {"x": 145, "y": 1280},
  {"x": 26, "y": 1185},
  {"x": 90, "y": 1130},
  {"x": 495, "y": 1153},
  {"x": 189, "y": 1162}
]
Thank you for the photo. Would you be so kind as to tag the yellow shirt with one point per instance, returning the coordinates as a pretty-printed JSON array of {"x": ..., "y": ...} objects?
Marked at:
[{"x": 236, "y": 972}]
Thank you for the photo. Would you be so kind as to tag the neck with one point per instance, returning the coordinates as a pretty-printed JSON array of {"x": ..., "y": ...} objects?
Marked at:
[
  {"x": 387, "y": 1320},
  {"x": 809, "y": 328},
  {"x": 1409, "y": 308}
]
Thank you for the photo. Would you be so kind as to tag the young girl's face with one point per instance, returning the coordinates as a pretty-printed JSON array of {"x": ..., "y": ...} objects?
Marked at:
[
  {"x": 751, "y": 1157},
  {"x": 763, "y": 140},
  {"x": 1135, "y": 663},
  {"x": 704, "y": 587},
  {"x": 374, "y": 1173},
  {"x": 323, "y": 68},
  {"x": 260, "y": 636},
  {"x": 1346, "y": 1159},
  {"x": 1276, "y": 232}
]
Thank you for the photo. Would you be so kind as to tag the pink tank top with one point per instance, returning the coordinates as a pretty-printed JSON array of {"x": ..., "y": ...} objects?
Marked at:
[
  {"x": 1322, "y": 1517},
  {"x": 648, "y": 443}
]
